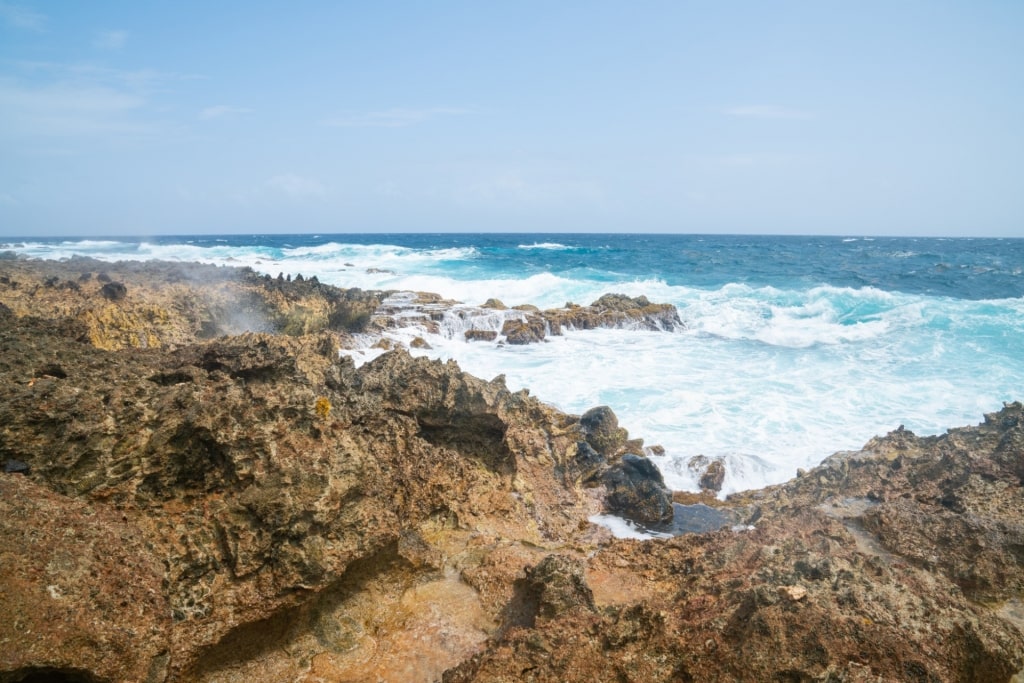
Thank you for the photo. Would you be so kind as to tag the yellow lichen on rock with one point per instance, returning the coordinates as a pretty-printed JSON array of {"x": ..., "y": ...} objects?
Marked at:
[{"x": 322, "y": 408}]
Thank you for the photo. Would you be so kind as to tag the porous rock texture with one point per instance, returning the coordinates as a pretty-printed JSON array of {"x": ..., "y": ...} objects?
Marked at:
[
  {"x": 156, "y": 304},
  {"x": 253, "y": 508}
]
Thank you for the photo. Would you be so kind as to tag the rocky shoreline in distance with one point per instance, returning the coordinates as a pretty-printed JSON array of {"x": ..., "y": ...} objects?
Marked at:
[{"x": 197, "y": 488}]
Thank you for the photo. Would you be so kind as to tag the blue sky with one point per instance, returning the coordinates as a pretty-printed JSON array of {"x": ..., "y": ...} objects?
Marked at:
[{"x": 814, "y": 117}]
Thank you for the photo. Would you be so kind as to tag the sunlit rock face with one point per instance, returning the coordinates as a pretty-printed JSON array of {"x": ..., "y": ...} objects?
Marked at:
[{"x": 253, "y": 507}]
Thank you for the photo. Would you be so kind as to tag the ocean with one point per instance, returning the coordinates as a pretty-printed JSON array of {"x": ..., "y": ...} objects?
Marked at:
[{"x": 794, "y": 347}]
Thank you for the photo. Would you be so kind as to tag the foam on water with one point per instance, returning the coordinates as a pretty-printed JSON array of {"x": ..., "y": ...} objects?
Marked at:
[
  {"x": 544, "y": 245},
  {"x": 768, "y": 404}
]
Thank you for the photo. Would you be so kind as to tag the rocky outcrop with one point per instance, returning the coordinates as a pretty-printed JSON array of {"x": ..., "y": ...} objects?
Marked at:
[
  {"x": 523, "y": 324},
  {"x": 900, "y": 562},
  {"x": 157, "y": 304},
  {"x": 636, "y": 490},
  {"x": 253, "y": 508},
  {"x": 259, "y": 480},
  {"x": 617, "y": 310}
]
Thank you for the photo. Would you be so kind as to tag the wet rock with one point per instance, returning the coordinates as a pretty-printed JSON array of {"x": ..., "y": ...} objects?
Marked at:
[
  {"x": 480, "y": 335},
  {"x": 713, "y": 476},
  {"x": 528, "y": 331},
  {"x": 496, "y": 304},
  {"x": 636, "y": 490},
  {"x": 588, "y": 461},
  {"x": 697, "y": 518},
  {"x": 601, "y": 428},
  {"x": 616, "y": 310}
]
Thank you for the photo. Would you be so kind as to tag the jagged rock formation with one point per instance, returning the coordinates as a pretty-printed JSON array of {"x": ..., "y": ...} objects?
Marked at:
[
  {"x": 901, "y": 562},
  {"x": 523, "y": 324},
  {"x": 154, "y": 304},
  {"x": 253, "y": 508},
  {"x": 256, "y": 480}
]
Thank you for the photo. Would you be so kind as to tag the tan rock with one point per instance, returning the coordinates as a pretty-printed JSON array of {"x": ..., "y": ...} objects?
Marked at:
[{"x": 793, "y": 593}]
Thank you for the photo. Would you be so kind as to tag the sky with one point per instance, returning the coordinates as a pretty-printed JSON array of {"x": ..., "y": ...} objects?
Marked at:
[{"x": 685, "y": 116}]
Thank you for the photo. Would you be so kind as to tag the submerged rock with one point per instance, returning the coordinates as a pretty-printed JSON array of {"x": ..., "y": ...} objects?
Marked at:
[{"x": 711, "y": 472}]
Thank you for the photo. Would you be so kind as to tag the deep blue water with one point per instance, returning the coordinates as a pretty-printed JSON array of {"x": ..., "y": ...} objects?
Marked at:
[{"x": 965, "y": 268}]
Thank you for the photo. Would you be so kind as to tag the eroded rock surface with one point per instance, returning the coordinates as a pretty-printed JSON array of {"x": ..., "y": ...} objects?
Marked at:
[{"x": 252, "y": 508}]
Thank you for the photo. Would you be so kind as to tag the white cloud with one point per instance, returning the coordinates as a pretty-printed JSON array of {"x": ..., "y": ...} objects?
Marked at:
[
  {"x": 110, "y": 40},
  {"x": 295, "y": 186},
  {"x": 220, "y": 111},
  {"x": 393, "y": 118},
  {"x": 768, "y": 111},
  {"x": 22, "y": 17}
]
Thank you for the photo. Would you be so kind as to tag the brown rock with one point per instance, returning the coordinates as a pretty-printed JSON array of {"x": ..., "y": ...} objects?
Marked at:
[
  {"x": 480, "y": 335},
  {"x": 527, "y": 331},
  {"x": 713, "y": 476},
  {"x": 495, "y": 304},
  {"x": 188, "y": 515}
]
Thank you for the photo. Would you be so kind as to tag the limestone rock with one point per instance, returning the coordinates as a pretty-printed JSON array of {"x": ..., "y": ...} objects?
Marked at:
[
  {"x": 495, "y": 304},
  {"x": 480, "y": 335},
  {"x": 558, "y": 586},
  {"x": 526, "y": 331},
  {"x": 617, "y": 310},
  {"x": 793, "y": 593},
  {"x": 250, "y": 507}
]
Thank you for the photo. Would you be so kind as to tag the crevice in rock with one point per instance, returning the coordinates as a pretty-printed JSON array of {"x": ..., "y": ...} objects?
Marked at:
[
  {"x": 481, "y": 437},
  {"x": 252, "y": 641},
  {"x": 49, "y": 675}
]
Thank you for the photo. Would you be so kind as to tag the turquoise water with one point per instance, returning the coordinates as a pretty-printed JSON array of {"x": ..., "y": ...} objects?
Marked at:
[{"x": 795, "y": 347}]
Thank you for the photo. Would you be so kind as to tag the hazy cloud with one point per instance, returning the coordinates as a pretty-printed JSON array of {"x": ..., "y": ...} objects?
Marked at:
[
  {"x": 110, "y": 40},
  {"x": 22, "y": 17},
  {"x": 54, "y": 99},
  {"x": 393, "y": 118},
  {"x": 295, "y": 186},
  {"x": 768, "y": 111},
  {"x": 64, "y": 108},
  {"x": 540, "y": 186},
  {"x": 220, "y": 111}
]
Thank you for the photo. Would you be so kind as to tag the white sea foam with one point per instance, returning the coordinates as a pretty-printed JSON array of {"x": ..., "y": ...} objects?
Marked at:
[
  {"x": 623, "y": 528},
  {"x": 544, "y": 245}
]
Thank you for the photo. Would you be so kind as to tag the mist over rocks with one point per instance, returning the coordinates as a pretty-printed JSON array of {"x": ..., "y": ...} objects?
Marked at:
[{"x": 204, "y": 506}]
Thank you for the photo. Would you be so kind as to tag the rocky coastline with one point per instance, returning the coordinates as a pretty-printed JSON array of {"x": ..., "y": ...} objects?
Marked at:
[{"x": 198, "y": 487}]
